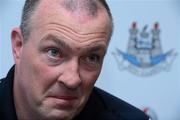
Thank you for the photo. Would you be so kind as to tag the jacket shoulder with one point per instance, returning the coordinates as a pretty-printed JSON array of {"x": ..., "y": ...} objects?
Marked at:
[
  {"x": 2, "y": 84},
  {"x": 119, "y": 107}
]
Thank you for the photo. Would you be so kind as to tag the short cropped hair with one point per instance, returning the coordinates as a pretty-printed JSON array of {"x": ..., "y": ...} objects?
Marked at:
[{"x": 31, "y": 5}]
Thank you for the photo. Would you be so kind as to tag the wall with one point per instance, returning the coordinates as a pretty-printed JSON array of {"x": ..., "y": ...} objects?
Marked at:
[
  {"x": 160, "y": 92},
  {"x": 9, "y": 18}
]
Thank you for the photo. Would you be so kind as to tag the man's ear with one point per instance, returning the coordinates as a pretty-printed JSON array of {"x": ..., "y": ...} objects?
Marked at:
[{"x": 17, "y": 44}]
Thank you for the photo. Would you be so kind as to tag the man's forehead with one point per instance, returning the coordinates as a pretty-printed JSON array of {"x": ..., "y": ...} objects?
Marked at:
[{"x": 54, "y": 16}]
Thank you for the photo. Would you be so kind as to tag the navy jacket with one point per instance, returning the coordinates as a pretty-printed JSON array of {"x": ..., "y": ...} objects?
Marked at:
[{"x": 100, "y": 106}]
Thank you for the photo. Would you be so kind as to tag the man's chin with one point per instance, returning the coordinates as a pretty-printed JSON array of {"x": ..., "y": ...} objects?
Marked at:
[
  {"x": 59, "y": 109},
  {"x": 57, "y": 114}
]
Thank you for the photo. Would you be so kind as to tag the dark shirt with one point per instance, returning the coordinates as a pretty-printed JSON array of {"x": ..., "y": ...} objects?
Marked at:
[{"x": 100, "y": 106}]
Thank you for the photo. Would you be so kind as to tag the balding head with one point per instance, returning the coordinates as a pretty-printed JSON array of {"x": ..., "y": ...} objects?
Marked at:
[{"x": 89, "y": 7}]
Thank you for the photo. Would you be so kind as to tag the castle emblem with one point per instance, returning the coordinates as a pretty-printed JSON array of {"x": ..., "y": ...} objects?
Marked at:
[{"x": 144, "y": 55}]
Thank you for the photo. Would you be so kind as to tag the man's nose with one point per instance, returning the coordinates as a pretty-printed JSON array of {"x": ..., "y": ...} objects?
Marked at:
[{"x": 71, "y": 76}]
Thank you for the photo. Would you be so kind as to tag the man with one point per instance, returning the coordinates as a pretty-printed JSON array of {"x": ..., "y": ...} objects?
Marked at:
[{"x": 58, "y": 51}]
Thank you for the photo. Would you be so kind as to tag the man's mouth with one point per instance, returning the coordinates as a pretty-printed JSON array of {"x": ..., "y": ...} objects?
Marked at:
[
  {"x": 68, "y": 98},
  {"x": 64, "y": 102}
]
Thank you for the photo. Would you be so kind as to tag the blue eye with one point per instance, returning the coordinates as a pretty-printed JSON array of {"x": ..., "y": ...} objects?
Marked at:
[
  {"x": 93, "y": 59},
  {"x": 53, "y": 53}
]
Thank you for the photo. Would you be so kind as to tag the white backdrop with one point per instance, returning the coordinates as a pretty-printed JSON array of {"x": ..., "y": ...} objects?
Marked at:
[{"x": 160, "y": 92}]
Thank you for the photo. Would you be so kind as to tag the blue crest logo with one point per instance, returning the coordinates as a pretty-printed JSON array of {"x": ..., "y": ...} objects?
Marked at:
[{"x": 144, "y": 55}]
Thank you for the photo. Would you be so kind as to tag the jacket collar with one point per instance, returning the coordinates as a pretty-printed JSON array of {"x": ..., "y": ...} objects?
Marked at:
[{"x": 6, "y": 96}]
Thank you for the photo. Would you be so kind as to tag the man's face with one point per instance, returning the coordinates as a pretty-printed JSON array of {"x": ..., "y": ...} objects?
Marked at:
[{"x": 58, "y": 66}]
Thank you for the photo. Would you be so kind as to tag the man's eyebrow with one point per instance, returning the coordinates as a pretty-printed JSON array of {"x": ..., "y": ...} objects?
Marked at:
[
  {"x": 57, "y": 41},
  {"x": 96, "y": 47}
]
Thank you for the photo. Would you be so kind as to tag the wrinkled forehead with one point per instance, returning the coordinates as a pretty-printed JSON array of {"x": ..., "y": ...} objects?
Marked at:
[{"x": 82, "y": 15}]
